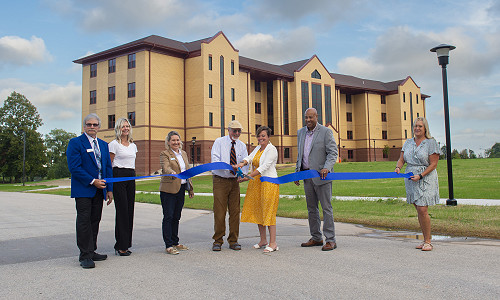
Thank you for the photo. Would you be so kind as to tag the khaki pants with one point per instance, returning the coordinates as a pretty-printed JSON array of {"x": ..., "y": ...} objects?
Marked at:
[{"x": 226, "y": 197}]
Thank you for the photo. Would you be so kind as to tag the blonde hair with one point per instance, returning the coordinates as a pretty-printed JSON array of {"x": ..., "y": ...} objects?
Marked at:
[
  {"x": 169, "y": 136},
  {"x": 426, "y": 126},
  {"x": 118, "y": 130}
]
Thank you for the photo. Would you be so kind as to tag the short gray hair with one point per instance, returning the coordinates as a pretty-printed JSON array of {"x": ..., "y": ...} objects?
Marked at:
[
  {"x": 169, "y": 136},
  {"x": 118, "y": 130},
  {"x": 92, "y": 116}
]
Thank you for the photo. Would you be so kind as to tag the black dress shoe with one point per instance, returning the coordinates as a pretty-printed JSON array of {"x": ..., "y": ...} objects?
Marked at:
[
  {"x": 87, "y": 263},
  {"x": 98, "y": 257},
  {"x": 122, "y": 253}
]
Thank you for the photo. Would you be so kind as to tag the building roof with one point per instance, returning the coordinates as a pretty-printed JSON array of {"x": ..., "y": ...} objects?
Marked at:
[{"x": 258, "y": 69}]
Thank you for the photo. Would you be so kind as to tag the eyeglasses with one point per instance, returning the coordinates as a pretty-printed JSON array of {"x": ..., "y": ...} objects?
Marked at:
[
  {"x": 236, "y": 130},
  {"x": 92, "y": 124}
]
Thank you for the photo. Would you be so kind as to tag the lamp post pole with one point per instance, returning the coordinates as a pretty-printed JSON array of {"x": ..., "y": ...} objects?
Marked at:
[
  {"x": 24, "y": 156},
  {"x": 442, "y": 52},
  {"x": 192, "y": 153}
]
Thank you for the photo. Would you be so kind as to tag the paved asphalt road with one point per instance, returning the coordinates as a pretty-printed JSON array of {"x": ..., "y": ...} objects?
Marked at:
[{"x": 39, "y": 260}]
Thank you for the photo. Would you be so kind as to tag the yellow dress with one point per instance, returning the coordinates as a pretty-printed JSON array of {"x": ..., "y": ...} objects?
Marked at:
[{"x": 261, "y": 200}]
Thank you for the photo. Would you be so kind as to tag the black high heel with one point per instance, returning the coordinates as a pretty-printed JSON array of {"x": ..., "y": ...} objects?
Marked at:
[{"x": 126, "y": 253}]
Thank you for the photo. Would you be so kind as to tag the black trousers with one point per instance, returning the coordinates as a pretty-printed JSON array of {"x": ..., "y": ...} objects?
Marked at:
[
  {"x": 88, "y": 216},
  {"x": 172, "y": 205},
  {"x": 124, "y": 197}
]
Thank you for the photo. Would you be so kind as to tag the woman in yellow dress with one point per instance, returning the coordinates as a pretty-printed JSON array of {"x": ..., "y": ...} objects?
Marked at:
[{"x": 261, "y": 201}]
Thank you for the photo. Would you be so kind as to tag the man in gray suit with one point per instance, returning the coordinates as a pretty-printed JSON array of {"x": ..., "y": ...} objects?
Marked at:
[{"x": 317, "y": 151}]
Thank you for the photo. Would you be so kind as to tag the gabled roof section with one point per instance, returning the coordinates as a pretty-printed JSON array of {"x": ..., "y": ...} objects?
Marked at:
[
  {"x": 259, "y": 67},
  {"x": 295, "y": 66},
  {"x": 209, "y": 40}
]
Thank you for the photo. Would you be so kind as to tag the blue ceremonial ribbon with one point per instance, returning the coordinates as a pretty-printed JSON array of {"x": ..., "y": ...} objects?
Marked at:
[
  {"x": 183, "y": 175},
  {"x": 334, "y": 176}
]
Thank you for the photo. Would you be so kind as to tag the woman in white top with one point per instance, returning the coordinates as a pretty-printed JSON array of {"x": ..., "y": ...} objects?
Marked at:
[
  {"x": 122, "y": 151},
  {"x": 261, "y": 200}
]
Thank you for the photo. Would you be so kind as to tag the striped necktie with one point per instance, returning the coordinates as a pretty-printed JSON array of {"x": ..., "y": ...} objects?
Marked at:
[
  {"x": 98, "y": 158},
  {"x": 232, "y": 160}
]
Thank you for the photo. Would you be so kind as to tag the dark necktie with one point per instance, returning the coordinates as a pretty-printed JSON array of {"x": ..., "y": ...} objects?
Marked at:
[
  {"x": 232, "y": 160},
  {"x": 98, "y": 158}
]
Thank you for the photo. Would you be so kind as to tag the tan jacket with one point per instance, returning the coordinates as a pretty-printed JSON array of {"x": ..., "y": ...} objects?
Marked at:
[{"x": 169, "y": 163}]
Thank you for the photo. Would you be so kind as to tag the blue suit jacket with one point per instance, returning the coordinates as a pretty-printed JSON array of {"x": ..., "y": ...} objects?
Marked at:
[{"x": 83, "y": 166}]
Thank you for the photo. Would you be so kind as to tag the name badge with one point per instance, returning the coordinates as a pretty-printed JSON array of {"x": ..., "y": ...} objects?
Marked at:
[
  {"x": 172, "y": 158},
  {"x": 90, "y": 150}
]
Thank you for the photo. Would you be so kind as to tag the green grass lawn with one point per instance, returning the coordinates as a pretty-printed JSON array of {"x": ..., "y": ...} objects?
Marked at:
[{"x": 472, "y": 178}]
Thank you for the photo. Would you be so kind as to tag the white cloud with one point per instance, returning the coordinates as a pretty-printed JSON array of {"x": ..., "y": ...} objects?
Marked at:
[
  {"x": 283, "y": 47},
  {"x": 58, "y": 105},
  {"x": 18, "y": 51}
]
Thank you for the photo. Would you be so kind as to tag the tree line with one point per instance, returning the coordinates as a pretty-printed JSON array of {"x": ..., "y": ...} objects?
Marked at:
[{"x": 45, "y": 156}]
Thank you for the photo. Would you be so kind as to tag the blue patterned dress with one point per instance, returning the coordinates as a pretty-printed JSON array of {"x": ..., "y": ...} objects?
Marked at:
[{"x": 424, "y": 192}]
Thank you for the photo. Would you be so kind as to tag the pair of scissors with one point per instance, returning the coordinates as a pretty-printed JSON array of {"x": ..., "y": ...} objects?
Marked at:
[{"x": 240, "y": 174}]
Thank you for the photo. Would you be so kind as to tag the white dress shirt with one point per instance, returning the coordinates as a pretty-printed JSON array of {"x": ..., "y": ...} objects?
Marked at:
[{"x": 221, "y": 151}]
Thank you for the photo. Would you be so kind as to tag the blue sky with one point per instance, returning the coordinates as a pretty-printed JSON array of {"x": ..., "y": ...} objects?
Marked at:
[{"x": 382, "y": 40}]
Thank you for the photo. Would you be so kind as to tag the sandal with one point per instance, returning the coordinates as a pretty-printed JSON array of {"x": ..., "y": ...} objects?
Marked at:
[
  {"x": 427, "y": 247},
  {"x": 258, "y": 246},
  {"x": 420, "y": 246},
  {"x": 171, "y": 250},
  {"x": 269, "y": 249}
]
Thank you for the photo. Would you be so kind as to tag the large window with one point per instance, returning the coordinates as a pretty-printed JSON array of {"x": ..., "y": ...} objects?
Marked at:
[
  {"x": 316, "y": 100},
  {"x": 210, "y": 62},
  {"x": 112, "y": 65},
  {"x": 111, "y": 121},
  {"x": 349, "y": 135},
  {"x": 131, "y": 61},
  {"x": 384, "y": 134},
  {"x": 111, "y": 93},
  {"x": 328, "y": 104},
  {"x": 384, "y": 117},
  {"x": 258, "y": 108},
  {"x": 350, "y": 154},
  {"x": 131, "y": 89},
  {"x": 93, "y": 70},
  {"x": 131, "y": 117},
  {"x": 93, "y": 97},
  {"x": 270, "y": 106},
  {"x": 286, "y": 123},
  {"x": 305, "y": 100},
  {"x": 349, "y": 116},
  {"x": 222, "y": 108},
  {"x": 286, "y": 153}
]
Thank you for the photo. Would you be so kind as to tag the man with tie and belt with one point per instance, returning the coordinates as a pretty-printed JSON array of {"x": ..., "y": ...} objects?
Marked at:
[
  {"x": 226, "y": 187},
  {"x": 89, "y": 162}
]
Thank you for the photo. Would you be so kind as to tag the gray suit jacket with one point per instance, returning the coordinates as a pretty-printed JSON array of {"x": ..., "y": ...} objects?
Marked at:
[{"x": 323, "y": 151}]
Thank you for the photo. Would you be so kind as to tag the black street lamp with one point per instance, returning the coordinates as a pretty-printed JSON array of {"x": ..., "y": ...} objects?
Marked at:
[
  {"x": 192, "y": 153},
  {"x": 442, "y": 52},
  {"x": 24, "y": 155},
  {"x": 374, "y": 153}
]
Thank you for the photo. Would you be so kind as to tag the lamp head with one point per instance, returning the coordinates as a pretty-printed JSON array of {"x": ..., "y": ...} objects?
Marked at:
[{"x": 442, "y": 52}]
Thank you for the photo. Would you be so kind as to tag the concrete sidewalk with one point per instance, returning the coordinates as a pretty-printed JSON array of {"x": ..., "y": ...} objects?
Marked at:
[{"x": 40, "y": 260}]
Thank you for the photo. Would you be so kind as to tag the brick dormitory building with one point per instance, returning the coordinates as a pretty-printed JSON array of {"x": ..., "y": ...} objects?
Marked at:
[{"x": 196, "y": 88}]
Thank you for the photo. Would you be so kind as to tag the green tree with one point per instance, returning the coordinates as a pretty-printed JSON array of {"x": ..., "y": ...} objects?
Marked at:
[
  {"x": 18, "y": 115},
  {"x": 455, "y": 154},
  {"x": 464, "y": 154},
  {"x": 472, "y": 154},
  {"x": 442, "y": 155},
  {"x": 56, "y": 142},
  {"x": 493, "y": 151}
]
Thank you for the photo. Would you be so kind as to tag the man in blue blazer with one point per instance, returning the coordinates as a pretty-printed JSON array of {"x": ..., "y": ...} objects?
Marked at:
[
  {"x": 89, "y": 162},
  {"x": 317, "y": 150}
]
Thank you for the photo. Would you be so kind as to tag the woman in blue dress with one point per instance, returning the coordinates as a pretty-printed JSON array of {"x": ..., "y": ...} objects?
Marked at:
[{"x": 421, "y": 154}]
